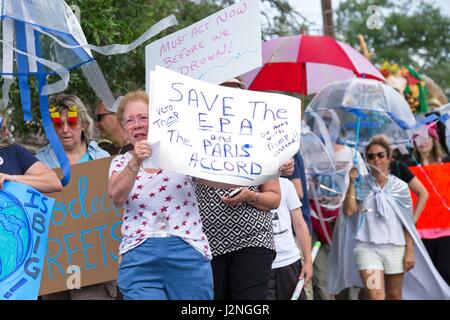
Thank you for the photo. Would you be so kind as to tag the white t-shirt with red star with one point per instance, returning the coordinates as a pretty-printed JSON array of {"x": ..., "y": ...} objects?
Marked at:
[{"x": 162, "y": 201}]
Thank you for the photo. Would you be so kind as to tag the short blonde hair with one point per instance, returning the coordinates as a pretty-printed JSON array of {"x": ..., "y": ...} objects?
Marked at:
[
  {"x": 138, "y": 95},
  {"x": 64, "y": 101}
]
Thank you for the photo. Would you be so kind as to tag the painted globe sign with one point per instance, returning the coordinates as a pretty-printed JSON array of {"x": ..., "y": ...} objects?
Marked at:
[{"x": 15, "y": 235}]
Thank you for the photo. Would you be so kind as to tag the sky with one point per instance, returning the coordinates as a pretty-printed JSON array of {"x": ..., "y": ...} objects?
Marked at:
[{"x": 312, "y": 10}]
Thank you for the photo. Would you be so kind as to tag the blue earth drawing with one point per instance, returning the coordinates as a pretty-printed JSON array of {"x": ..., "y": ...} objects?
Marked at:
[{"x": 15, "y": 235}]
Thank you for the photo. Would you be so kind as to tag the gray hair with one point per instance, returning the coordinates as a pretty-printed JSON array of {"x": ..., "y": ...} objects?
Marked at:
[{"x": 64, "y": 101}]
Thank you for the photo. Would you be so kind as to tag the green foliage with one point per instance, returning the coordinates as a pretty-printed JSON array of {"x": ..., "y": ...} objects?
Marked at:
[
  {"x": 122, "y": 21},
  {"x": 419, "y": 36}
]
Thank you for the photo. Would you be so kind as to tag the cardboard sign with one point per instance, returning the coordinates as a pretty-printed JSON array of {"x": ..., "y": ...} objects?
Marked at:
[
  {"x": 436, "y": 180},
  {"x": 84, "y": 234},
  {"x": 215, "y": 49},
  {"x": 221, "y": 134},
  {"x": 24, "y": 220}
]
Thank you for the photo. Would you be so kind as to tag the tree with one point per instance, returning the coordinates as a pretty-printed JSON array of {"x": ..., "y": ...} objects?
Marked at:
[
  {"x": 419, "y": 36},
  {"x": 123, "y": 21}
]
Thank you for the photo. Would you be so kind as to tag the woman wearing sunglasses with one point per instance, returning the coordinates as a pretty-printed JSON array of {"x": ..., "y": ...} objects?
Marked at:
[
  {"x": 76, "y": 131},
  {"x": 389, "y": 256}
]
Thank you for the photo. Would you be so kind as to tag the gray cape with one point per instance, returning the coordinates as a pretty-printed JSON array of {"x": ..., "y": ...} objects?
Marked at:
[{"x": 422, "y": 282}]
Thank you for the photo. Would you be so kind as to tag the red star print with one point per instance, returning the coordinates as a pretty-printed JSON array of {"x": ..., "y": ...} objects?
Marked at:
[
  {"x": 135, "y": 217},
  {"x": 140, "y": 186},
  {"x": 185, "y": 183},
  {"x": 162, "y": 188},
  {"x": 125, "y": 218},
  {"x": 178, "y": 207},
  {"x": 188, "y": 232},
  {"x": 166, "y": 179},
  {"x": 138, "y": 177},
  {"x": 127, "y": 227},
  {"x": 203, "y": 238},
  {"x": 138, "y": 231},
  {"x": 184, "y": 223},
  {"x": 185, "y": 203},
  {"x": 179, "y": 186},
  {"x": 154, "y": 213},
  {"x": 141, "y": 213},
  {"x": 144, "y": 223},
  {"x": 176, "y": 227},
  {"x": 163, "y": 209},
  {"x": 169, "y": 198},
  {"x": 159, "y": 172},
  {"x": 151, "y": 195},
  {"x": 135, "y": 196},
  {"x": 189, "y": 194},
  {"x": 168, "y": 218},
  {"x": 142, "y": 206},
  {"x": 188, "y": 214},
  {"x": 195, "y": 223},
  {"x": 119, "y": 166}
]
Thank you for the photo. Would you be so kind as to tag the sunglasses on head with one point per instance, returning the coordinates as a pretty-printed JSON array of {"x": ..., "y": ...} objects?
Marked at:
[
  {"x": 100, "y": 116},
  {"x": 381, "y": 155}
]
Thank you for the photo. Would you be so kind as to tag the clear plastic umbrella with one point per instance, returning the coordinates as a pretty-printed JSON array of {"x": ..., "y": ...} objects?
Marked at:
[{"x": 351, "y": 112}]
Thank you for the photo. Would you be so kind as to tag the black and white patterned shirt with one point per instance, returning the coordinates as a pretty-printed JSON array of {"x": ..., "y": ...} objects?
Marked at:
[{"x": 229, "y": 228}]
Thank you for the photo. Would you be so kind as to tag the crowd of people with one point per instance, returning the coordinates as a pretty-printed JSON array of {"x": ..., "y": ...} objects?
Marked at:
[{"x": 191, "y": 238}]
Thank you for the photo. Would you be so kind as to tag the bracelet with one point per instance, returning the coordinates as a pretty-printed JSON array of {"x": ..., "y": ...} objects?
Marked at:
[
  {"x": 131, "y": 169},
  {"x": 256, "y": 199}
]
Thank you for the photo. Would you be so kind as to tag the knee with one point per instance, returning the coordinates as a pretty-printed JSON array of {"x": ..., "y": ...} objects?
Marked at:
[
  {"x": 375, "y": 294},
  {"x": 395, "y": 294}
]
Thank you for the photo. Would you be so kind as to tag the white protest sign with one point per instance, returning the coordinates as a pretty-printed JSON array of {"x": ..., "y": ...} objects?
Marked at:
[
  {"x": 215, "y": 49},
  {"x": 219, "y": 133}
]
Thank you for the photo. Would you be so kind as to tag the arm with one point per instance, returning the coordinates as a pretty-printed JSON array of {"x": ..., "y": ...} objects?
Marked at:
[
  {"x": 121, "y": 183},
  {"x": 298, "y": 186},
  {"x": 268, "y": 197},
  {"x": 303, "y": 238},
  {"x": 422, "y": 196},
  {"x": 408, "y": 260},
  {"x": 38, "y": 176},
  {"x": 350, "y": 203}
]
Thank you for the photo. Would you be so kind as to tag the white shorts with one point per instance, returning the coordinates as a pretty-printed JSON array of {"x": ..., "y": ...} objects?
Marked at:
[{"x": 386, "y": 257}]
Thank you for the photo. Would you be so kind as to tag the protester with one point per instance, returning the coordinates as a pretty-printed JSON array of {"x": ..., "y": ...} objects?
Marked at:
[
  {"x": 287, "y": 268},
  {"x": 298, "y": 178},
  {"x": 164, "y": 252},
  {"x": 427, "y": 151},
  {"x": 114, "y": 139},
  {"x": 323, "y": 230},
  {"x": 384, "y": 248},
  {"x": 17, "y": 164},
  {"x": 75, "y": 129},
  {"x": 240, "y": 232}
]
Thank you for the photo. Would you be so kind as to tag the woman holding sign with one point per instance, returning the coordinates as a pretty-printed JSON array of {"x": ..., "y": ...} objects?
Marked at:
[
  {"x": 20, "y": 165},
  {"x": 76, "y": 131},
  {"x": 165, "y": 254},
  {"x": 238, "y": 224},
  {"x": 428, "y": 150}
]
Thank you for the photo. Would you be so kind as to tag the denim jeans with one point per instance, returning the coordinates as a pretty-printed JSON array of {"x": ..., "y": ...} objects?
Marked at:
[{"x": 165, "y": 269}]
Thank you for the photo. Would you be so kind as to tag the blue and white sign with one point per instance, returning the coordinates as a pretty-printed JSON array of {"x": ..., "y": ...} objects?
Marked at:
[
  {"x": 24, "y": 221},
  {"x": 219, "y": 133}
]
